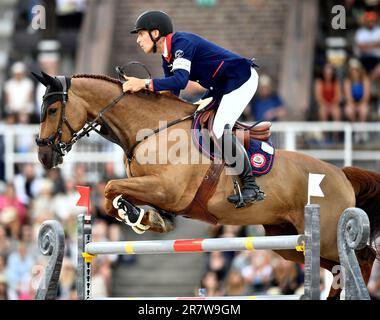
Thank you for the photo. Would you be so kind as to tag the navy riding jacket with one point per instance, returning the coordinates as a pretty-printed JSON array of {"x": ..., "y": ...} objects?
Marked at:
[{"x": 188, "y": 56}]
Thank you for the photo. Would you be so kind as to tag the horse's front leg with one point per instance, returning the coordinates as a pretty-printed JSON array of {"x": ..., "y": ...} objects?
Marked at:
[{"x": 138, "y": 191}]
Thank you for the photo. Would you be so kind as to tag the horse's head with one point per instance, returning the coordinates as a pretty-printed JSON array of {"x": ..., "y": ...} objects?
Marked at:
[{"x": 59, "y": 121}]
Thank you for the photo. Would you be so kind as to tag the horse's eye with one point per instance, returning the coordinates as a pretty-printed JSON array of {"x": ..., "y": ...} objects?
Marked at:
[{"x": 52, "y": 111}]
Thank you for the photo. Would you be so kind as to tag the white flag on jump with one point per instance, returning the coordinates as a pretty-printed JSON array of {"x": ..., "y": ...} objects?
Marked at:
[{"x": 313, "y": 188}]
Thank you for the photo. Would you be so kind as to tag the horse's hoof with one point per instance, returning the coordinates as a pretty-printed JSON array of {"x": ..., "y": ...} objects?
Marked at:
[{"x": 158, "y": 223}]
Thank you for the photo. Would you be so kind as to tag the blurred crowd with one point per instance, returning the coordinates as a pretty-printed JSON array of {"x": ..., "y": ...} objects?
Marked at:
[
  {"x": 347, "y": 82},
  {"x": 260, "y": 272},
  {"x": 24, "y": 205},
  {"x": 245, "y": 273}
]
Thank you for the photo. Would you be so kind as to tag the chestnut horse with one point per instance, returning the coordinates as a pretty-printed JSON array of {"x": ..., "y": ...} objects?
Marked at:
[{"x": 70, "y": 103}]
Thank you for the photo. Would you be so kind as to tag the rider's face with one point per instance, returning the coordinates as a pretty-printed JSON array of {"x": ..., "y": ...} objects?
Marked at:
[{"x": 144, "y": 41}]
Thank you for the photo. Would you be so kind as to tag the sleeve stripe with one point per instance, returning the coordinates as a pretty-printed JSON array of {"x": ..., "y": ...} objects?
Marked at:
[{"x": 182, "y": 63}]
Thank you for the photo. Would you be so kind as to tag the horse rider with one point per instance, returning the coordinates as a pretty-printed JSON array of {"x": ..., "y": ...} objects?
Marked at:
[{"x": 228, "y": 76}]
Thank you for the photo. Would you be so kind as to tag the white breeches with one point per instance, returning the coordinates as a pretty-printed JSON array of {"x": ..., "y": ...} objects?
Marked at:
[{"x": 233, "y": 104}]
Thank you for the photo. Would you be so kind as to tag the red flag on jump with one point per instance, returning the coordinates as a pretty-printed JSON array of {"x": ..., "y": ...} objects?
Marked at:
[{"x": 84, "y": 200}]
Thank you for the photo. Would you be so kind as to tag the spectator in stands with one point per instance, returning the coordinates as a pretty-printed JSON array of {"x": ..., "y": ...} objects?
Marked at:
[
  {"x": 99, "y": 233},
  {"x": 5, "y": 244},
  {"x": 18, "y": 94},
  {"x": 65, "y": 200},
  {"x": 367, "y": 44},
  {"x": 27, "y": 184},
  {"x": 3, "y": 288},
  {"x": 19, "y": 268},
  {"x": 287, "y": 275},
  {"x": 30, "y": 238},
  {"x": 267, "y": 105},
  {"x": 354, "y": 12},
  {"x": 327, "y": 93},
  {"x": 80, "y": 174},
  {"x": 211, "y": 284},
  {"x": 67, "y": 279},
  {"x": 241, "y": 260},
  {"x": 70, "y": 13},
  {"x": 219, "y": 263},
  {"x": 99, "y": 281},
  {"x": 55, "y": 176},
  {"x": 235, "y": 284},
  {"x": 259, "y": 273},
  {"x": 42, "y": 208},
  {"x": 3, "y": 279},
  {"x": 356, "y": 92},
  {"x": 12, "y": 211},
  {"x": 3, "y": 264}
]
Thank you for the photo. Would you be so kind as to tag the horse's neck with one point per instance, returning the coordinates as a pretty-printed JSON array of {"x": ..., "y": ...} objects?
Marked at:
[{"x": 134, "y": 112}]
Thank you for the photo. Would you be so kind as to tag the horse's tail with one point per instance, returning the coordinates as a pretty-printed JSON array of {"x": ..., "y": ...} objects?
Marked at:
[{"x": 366, "y": 186}]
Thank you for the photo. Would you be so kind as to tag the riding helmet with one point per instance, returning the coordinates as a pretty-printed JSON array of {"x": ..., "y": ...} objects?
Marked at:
[{"x": 150, "y": 20}]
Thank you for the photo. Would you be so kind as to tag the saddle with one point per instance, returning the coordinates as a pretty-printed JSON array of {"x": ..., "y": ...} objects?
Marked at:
[
  {"x": 197, "y": 209},
  {"x": 244, "y": 132}
]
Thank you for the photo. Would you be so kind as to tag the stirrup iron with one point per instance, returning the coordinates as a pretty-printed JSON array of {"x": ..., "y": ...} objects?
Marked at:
[{"x": 237, "y": 190}]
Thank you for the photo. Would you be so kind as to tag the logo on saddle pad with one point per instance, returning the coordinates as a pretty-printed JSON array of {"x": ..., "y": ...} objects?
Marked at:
[{"x": 258, "y": 160}]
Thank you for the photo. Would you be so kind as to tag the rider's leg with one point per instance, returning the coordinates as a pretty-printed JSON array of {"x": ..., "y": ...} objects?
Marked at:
[
  {"x": 231, "y": 107},
  {"x": 233, "y": 104},
  {"x": 250, "y": 191}
]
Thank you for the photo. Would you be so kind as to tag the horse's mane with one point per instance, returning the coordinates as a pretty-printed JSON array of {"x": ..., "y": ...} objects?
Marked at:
[
  {"x": 98, "y": 76},
  {"x": 118, "y": 82}
]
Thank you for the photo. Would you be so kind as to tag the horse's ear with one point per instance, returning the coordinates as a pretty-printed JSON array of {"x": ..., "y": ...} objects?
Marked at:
[
  {"x": 40, "y": 78},
  {"x": 50, "y": 80}
]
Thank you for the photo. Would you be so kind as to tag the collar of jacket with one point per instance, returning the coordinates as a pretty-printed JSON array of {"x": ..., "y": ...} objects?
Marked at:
[{"x": 168, "y": 47}]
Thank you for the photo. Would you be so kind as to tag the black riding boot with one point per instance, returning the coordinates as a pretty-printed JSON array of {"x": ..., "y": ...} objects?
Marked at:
[{"x": 251, "y": 191}]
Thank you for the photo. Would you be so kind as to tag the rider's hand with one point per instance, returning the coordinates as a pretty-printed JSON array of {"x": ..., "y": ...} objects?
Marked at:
[{"x": 133, "y": 84}]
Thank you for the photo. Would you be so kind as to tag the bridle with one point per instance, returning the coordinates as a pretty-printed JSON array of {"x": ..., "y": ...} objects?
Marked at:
[
  {"x": 62, "y": 148},
  {"x": 55, "y": 139}
]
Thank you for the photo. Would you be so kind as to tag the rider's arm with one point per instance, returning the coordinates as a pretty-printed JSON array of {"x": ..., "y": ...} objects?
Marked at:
[
  {"x": 173, "y": 83},
  {"x": 176, "y": 75}
]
